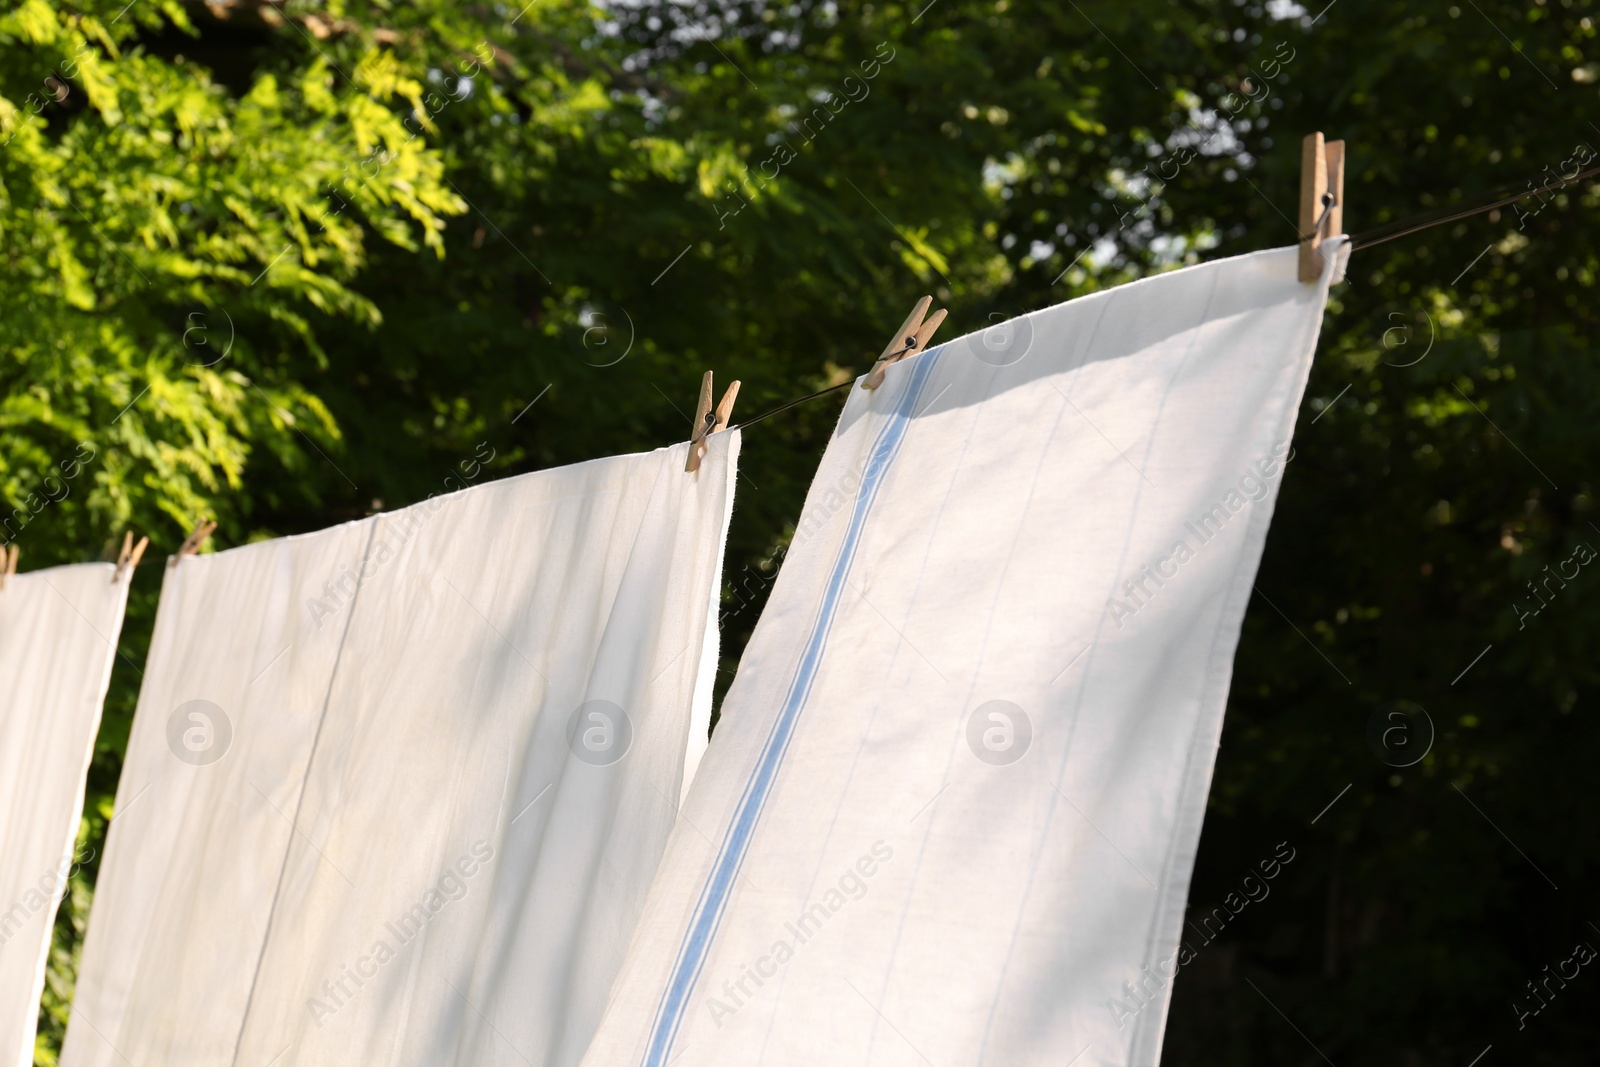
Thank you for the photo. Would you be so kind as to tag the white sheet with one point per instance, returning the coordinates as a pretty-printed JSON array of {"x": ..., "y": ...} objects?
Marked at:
[
  {"x": 400, "y": 692},
  {"x": 954, "y": 798},
  {"x": 58, "y": 638}
]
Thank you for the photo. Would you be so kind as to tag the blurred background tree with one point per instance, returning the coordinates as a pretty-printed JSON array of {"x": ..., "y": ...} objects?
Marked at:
[{"x": 287, "y": 264}]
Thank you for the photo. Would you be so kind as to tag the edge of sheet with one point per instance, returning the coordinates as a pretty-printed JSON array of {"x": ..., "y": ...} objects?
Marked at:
[
  {"x": 82, "y": 795},
  {"x": 24, "y": 576},
  {"x": 1331, "y": 258},
  {"x": 1145, "y": 1044},
  {"x": 699, "y": 738},
  {"x": 680, "y": 447}
]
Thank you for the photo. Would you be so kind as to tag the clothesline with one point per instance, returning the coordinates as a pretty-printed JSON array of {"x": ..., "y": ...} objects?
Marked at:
[
  {"x": 792, "y": 403},
  {"x": 1427, "y": 221},
  {"x": 1366, "y": 239}
]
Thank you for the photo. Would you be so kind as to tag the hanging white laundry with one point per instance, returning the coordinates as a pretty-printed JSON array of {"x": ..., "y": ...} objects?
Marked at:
[
  {"x": 58, "y": 639},
  {"x": 234, "y": 687},
  {"x": 453, "y": 747},
  {"x": 951, "y": 810}
]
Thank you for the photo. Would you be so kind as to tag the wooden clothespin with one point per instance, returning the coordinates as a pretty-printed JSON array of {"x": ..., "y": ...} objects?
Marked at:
[
  {"x": 130, "y": 555},
  {"x": 912, "y": 337},
  {"x": 192, "y": 543},
  {"x": 708, "y": 421},
  {"x": 1321, "y": 200},
  {"x": 8, "y": 562}
]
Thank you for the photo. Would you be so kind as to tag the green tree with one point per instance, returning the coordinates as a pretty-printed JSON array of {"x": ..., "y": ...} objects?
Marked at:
[{"x": 170, "y": 244}]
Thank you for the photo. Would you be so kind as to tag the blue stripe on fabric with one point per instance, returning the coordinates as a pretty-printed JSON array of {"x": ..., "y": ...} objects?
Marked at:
[{"x": 714, "y": 895}]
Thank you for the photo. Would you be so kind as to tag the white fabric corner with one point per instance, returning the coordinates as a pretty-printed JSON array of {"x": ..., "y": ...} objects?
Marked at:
[{"x": 1337, "y": 249}]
